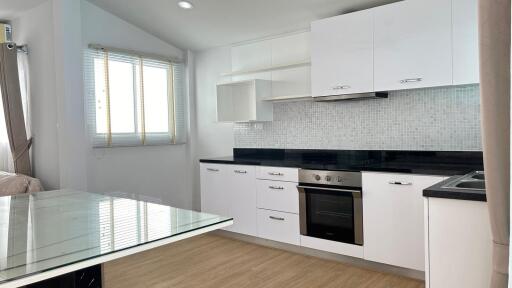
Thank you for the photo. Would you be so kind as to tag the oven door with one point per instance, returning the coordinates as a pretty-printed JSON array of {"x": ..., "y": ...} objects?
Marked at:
[{"x": 331, "y": 213}]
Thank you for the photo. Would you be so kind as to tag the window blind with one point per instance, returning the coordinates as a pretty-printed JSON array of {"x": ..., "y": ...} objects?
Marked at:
[{"x": 133, "y": 100}]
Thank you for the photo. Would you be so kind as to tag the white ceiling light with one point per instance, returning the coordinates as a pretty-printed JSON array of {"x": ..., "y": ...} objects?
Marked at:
[{"x": 185, "y": 4}]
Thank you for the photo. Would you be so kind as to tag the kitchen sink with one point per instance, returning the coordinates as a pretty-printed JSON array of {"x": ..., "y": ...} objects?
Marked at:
[
  {"x": 471, "y": 184},
  {"x": 471, "y": 181},
  {"x": 479, "y": 176}
]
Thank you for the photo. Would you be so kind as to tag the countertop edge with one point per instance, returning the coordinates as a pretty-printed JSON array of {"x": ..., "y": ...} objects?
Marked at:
[
  {"x": 454, "y": 195},
  {"x": 435, "y": 191},
  {"x": 438, "y": 191},
  {"x": 433, "y": 171}
]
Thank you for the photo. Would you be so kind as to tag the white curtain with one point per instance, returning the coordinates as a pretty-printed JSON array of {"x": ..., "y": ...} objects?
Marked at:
[{"x": 6, "y": 161}]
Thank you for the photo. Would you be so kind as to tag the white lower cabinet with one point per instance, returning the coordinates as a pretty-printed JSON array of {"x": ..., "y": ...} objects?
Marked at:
[
  {"x": 395, "y": 222},
  {"x": 241, "y": 186},
  {"x": 393, "y": 218},
  {"x": 213, "y": 189},
  {"x": 230, "y": 190},
  {"x": 459, "y": 243},
  {"x": 278, "y": 204},
  {"x": 279, "y": 226}
]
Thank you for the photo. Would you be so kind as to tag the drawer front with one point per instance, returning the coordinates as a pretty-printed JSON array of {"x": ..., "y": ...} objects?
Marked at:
[
  {"x": 278, "y": 174},
  {"x": 278, "y": 195},
  {"x": 278, "y": 226}
]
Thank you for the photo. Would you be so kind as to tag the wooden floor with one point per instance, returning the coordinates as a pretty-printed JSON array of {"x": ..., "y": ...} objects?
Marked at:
[{"x": 215, "y": 261}]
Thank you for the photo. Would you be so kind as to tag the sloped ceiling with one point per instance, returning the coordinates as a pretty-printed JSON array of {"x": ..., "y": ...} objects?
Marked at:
[
  {"x": 221, "y": 22},
  {"x": 9, "y": 9}
]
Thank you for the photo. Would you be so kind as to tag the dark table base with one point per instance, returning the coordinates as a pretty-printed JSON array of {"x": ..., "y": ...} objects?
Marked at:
[{"x": 86, "y": 278}]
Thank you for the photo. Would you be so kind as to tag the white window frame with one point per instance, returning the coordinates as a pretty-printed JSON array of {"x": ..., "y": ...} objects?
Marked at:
[{"x": 176, "y": 101}]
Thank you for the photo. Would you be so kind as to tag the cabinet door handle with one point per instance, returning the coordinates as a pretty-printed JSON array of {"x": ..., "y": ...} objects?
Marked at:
[
  {"x": 275, "y": 174},
  {"x": 411, "y": 80},
  {"x": 340, "y": 87},
  {"x": 276, "y": 218},
  {"x": 399, "y": 183},
  {"x": 212, "y": 169},
  {"x": 276, "y": 187},
  {"x": 241, "y": 171}
]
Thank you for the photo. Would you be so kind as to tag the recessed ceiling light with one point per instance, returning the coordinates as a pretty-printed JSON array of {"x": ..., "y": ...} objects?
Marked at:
[{"x": 185, "y": 4}]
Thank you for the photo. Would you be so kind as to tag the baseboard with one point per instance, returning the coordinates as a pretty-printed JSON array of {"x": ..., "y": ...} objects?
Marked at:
[{"x": 419, "y": 275}]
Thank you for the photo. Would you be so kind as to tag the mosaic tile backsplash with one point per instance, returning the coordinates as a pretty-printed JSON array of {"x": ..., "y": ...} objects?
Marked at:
[{"x": 441, "y": 119}]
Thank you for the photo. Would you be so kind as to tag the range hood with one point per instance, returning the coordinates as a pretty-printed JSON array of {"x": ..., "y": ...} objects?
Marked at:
[{"x": 357, "y": 96}]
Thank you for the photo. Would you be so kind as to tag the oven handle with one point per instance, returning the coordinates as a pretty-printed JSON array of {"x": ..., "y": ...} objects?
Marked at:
[{"x": 328, "y": 189}]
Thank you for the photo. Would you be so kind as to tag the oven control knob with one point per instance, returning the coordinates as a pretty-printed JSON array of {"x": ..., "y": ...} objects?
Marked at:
[
  {"x": 328, "y": 178},
  {"x": 318, "y": 178}
]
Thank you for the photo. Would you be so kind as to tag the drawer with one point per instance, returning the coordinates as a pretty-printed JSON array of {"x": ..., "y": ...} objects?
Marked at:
[
  {"x": 278, "y": 174},
  {"x": 278, "y": 195},
  {"x": 278, "y": 226}
]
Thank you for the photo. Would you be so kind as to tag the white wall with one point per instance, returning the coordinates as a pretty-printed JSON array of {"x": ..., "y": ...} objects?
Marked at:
[
  {"x": 69, "y": 83},
  {"x": 159, "y": 173},
  {"x": 211, "y": 138},
  {"x": 35, "y": 28},
  {"x": 57, "y": 32}
]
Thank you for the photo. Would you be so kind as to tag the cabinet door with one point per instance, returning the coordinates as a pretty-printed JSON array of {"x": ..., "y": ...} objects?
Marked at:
[
  {"x": 241, "y": 184},
  {"x": 465, "y": 42},
  {"x": 214, "y": 192},
  {"x": 393, "y": 218},
  {"x": 342, "y": 54},
  {"x": 413, "y": 45},
  {"x": 460, "y": 244}
]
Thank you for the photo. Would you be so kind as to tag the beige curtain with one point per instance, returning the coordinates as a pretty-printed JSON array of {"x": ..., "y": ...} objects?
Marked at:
[
  {"x": 13, "y": 109},
  {"x": 494, "y": 38}
]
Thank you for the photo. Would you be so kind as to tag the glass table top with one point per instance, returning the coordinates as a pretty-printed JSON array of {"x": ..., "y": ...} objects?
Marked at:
[{"x": 47, "y": 230}]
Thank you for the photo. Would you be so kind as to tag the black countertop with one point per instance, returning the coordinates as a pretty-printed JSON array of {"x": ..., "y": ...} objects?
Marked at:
[
  {"x": 445, "y": 163},
  {"x": 438, "y": 191}
]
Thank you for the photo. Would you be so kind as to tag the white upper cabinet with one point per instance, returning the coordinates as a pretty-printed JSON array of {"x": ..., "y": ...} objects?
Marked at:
[
  {"x": 252, "y": 57},
  {"x": 413, "y": 44},
  {"x": 465, "y": 42},
  {"x": 243, "y": 101},
  {"x": 342, "y": 54}
]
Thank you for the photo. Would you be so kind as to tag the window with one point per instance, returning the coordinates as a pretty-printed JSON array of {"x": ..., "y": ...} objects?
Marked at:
[{"x": 133, "y": 100}]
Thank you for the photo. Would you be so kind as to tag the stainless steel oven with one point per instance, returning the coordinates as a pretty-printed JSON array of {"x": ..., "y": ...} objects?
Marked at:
[{"x": 331, "y": 205}]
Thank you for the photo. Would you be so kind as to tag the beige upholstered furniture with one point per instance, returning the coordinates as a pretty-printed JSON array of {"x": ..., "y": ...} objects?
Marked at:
[{"x": 12, "y": 184}]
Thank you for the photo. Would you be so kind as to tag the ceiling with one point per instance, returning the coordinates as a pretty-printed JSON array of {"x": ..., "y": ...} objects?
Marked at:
[
  {"x": 10, "y": 8},
  {"x": 221, "y": 22}
]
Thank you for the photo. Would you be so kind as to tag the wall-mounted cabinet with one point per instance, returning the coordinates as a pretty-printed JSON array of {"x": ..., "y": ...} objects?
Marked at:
[
  {"x": 284, "y": 60},
  {"x": 243, "y": 101},
  {"x": 412, "y": 47},
  {"x": 342, "y": 54},
  {"x": 465, "y": 42},
  {"x": 395, "y": 47}
]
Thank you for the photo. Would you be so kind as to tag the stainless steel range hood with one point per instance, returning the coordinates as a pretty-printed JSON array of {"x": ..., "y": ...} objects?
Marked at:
[{"x": 358, "y": 96}]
